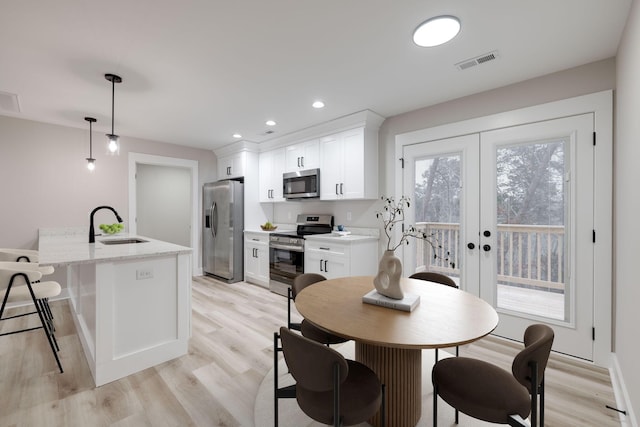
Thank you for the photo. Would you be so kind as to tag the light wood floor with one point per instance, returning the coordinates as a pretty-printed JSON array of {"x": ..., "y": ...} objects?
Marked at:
[{"x": 217, "y": 382}]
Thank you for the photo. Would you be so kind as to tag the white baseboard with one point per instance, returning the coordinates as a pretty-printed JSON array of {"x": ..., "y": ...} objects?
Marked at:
[{"x": 623, "y": 401}]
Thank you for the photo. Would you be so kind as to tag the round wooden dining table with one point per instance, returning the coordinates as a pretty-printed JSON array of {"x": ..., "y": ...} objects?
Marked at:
[{"x": 390, "y": 341}]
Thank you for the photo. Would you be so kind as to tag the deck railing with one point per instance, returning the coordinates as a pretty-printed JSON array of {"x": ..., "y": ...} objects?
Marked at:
[{"x": 528, "y": 255}]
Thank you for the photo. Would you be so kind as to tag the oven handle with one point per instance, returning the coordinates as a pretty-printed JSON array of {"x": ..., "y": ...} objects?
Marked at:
[{"x": 286, "y": 247}]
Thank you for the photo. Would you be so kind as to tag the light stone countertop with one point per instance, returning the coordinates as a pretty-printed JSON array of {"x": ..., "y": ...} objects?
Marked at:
[
  {"x": 330, "y": 237},
  {"x": 65, "y": 246}
]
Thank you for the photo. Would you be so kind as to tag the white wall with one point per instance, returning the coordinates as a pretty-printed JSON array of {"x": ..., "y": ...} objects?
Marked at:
[
  {"x": 45, "y": 181},
  {"x": 627, "y": 206}
]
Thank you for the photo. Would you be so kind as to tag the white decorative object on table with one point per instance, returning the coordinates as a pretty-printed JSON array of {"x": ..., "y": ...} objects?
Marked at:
[{"x": 387, "y": 281}]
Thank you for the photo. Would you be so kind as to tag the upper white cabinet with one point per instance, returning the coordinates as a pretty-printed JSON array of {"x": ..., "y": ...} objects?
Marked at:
[
  {"x": 305, "y": 155},
  {"x": 349, "y": 166},
  {"x": 232, "y": 166},
  {"x": 271, "y": 165}
]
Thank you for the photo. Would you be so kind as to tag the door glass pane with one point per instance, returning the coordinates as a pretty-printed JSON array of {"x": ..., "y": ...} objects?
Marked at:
[
  {"x": 437, "y": 212},
  {"x": 531, "y": 215}
]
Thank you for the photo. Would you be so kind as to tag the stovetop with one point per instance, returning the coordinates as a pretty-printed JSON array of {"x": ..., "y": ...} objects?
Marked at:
[{"x": 308, "y": 224}]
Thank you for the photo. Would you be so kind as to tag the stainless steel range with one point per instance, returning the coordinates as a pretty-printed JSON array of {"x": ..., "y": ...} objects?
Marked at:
[{"x": 286, "y": 250}]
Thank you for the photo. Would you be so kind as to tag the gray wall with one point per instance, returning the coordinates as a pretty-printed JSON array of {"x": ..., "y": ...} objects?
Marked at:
[
  {"x": 45, "y": 181},
  {"x": 626, "y": 207}
]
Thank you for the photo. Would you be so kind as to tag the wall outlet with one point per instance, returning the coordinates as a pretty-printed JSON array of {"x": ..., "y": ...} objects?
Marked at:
[
  {"x": 143, "y": 274},
  {"x": 348, "y": 216}
]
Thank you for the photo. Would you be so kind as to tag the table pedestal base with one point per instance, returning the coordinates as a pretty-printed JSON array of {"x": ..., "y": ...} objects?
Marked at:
[{"x": 400, "y": 370}]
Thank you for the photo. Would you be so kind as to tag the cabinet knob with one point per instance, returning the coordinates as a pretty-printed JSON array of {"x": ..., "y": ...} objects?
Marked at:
[
  {"x": 486, "y": 233},
  {"x": 486, "y": 248},
  {"x": 470, "y": 245}
]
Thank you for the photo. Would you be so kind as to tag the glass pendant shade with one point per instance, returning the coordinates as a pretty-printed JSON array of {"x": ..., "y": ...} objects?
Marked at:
[{"x": 113, "y": 146}]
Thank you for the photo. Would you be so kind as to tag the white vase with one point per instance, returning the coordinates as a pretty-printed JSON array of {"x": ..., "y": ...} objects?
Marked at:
[{"x": 387, "y": 281}]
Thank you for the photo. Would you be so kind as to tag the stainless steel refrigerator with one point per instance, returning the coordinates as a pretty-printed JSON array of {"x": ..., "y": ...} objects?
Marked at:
[{"x": 222, "y": 241}]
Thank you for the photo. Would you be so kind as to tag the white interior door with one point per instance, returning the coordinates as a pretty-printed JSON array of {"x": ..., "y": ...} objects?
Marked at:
[{"x": 512, "y": 210}]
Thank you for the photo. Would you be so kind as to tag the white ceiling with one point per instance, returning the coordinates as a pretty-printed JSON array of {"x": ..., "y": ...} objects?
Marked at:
[{"x": 196, "y": 71}]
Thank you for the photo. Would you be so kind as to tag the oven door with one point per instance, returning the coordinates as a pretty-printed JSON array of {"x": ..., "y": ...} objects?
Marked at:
[{"x": 285, "y": 262}]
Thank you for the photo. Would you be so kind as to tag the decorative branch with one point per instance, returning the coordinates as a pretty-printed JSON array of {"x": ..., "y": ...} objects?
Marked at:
[{"x": 392, "y": 213}]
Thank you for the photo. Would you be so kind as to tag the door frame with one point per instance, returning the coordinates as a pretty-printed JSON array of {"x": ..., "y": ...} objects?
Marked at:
[
  {"x": 601, "y": 105},
  {"x": 192, "y": 165}
]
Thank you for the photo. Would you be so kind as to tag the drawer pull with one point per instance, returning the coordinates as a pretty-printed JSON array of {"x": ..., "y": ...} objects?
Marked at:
[{"x": 324, "y": 249}]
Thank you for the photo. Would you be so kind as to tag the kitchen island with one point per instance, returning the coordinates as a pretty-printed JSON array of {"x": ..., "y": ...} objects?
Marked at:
[{"x": 131, "y": 302}]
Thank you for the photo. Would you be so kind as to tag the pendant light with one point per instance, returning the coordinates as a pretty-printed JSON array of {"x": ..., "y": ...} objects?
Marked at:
[
  {"x": 91, "y": 162},
  {"x": 114, "y": 146}
]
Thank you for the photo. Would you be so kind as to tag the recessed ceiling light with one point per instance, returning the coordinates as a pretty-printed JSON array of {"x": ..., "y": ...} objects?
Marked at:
[
  {"x": 237, "y": 135},
  {"x": 270, "y": 123},
  {"x": 436, "y": 31},
  {"x": 318, "y": 104}
]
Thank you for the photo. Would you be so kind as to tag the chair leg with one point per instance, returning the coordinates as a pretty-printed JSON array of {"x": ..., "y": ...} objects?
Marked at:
[
  {"x": 534, "y": 394},
  {"x": 435, "y": 406},
  {"x": 541, "y": 403},
  {"x": 383, "y": 409},
  {"x": 50, "y": 337},
  {"x": 275, "y": 379}
]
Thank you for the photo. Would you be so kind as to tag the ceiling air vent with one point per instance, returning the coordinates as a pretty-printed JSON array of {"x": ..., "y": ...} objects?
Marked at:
[
  {"x": 9, "y": 102},
  {"x": 478, "y": 60}
]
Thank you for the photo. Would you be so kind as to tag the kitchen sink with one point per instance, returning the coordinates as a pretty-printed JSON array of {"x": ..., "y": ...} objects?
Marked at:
[{"x": 124, "y": 241}]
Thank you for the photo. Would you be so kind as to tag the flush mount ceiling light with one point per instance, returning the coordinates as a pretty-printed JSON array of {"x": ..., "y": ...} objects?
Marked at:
[
  {"x": 436, "y": 31},
  {"x": 270, "y": 123},
  {"x": 318, "y": 104},
  {"x": 114, "y": 146},
  {"x": 91, "y": 162}
]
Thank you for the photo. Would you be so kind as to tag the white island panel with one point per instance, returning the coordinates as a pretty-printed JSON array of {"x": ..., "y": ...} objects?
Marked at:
[{"x": 131, "y": 307}]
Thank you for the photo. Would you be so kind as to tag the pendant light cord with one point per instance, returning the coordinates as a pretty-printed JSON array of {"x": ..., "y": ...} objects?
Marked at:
[{"x": 113, "y": 101}]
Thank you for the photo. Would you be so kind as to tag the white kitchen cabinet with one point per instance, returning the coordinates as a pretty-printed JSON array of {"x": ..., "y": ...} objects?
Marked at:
[
  {"x": 232, "y": 166},
  {"x": 271, "y": 165},
  {"x": 348, "y": 166},
  {"x": 302, "y": 156},
  {"x": 256, "y": 258},
  {"x": 335, "y": 257}
]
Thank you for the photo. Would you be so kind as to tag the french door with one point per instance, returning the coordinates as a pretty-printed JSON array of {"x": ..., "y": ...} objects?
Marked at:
[{"x": 511, "y": 214}]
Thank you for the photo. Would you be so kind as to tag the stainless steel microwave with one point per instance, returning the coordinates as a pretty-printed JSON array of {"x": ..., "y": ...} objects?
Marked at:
[{"x": 301, "y": 184}]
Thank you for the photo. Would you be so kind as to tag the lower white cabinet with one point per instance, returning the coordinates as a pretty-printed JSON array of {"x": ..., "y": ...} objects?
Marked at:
[
  {"x": 335, "y": 257},
  {"x": 256, "y": 258}
]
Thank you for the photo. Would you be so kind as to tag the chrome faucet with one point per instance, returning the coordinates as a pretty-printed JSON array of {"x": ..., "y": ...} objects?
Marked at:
[{"x": 92, "y": 235}]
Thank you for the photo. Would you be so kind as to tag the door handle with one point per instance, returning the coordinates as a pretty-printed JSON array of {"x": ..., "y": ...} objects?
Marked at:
[
  {"x": 470, "y": 245},
  {"x": 325, "y": 266},
  {"x": 486, "y": 248},
  {"x": 321, "y": 265},
  {"x": 213, "y": 219}
]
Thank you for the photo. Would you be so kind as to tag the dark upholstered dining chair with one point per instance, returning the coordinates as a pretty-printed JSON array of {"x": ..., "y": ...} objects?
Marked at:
[
  {"x": 436, "y": 278},
  {"x": 489, "y": 393},
  {"x": 307, "y": 328},
  {"x": 329, "y": 388}
]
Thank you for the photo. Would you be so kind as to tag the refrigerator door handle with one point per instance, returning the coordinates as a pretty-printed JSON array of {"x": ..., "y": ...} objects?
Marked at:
[{"x": 214, "y": 219}]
